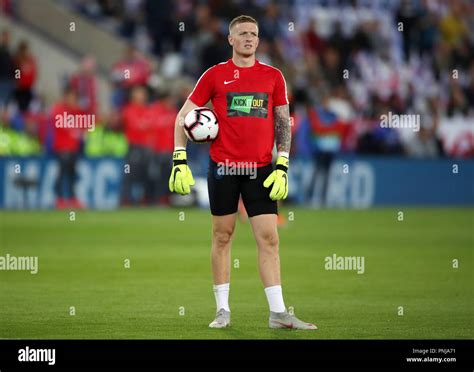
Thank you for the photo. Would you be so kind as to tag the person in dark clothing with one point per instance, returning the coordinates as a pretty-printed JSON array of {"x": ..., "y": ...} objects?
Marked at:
[
  {"x": 7, "y": 82},
  {"x": 25, "y": 64},
  {"x": 137, "y": 122}
]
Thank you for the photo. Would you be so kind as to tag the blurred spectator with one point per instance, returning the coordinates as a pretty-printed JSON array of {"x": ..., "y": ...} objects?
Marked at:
[
  {"x": 469, "y": 90},
  {"x": 428, "y": 32},
  {"x": 332, "y": 66},
  {"x": 37, "y": 119},
  {"x": 340, "y": 43},
  {"x": 25, "y": 64},
  {"x": 328, "y": 134},
  {"x": 84, "y": 82},
  {"x": 216, "y": 49},
  {"x": 312, "y": 42},
  {"x": 269, "y": 24},
  {"x": 452, "y": 26},
  {"x": 7, "y": 82},
  {"x": 164, "y": 114},
  {"x": 132, "y": 70},
  {"x": 106, "y": 140},
  {"x": 457, "y": 103},
  {"x": 132, "y": 14},
  {"x": 162, "y": 26},
  {"x": 424, "y": 144},
  {"x": 407, "y": 17},
  {"x": 66, "y": 147},
  {"x": 137, "y": 121}
]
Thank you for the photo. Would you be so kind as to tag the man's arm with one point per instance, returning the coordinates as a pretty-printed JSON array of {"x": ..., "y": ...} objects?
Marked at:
[
  {"x": 279, "y": 178},
  {"x": 282, "y": 129},
  {"x": 180, "y": 138},
  {"x": 181, "y": 178}
]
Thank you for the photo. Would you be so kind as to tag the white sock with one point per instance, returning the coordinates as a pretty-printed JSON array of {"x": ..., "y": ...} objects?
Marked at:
[
  {"x": 221, "y": 293},
  {"x": 275, "y": 299}
]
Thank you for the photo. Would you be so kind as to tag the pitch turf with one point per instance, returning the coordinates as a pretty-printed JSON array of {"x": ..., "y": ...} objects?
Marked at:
[{"x": 81, "y": 263}]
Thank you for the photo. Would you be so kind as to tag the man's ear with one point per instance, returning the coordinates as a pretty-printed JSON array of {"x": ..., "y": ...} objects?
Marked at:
[{"x": 230, "y": 39}]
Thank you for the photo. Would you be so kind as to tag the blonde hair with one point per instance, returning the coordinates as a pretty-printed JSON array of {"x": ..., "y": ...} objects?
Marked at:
[{"x": 242, "y": 19}]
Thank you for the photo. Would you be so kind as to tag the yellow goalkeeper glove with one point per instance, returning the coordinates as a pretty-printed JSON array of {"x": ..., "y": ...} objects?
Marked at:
[
  {"x": 279, "y": 179},
  {"x": 181, "y": 178}
]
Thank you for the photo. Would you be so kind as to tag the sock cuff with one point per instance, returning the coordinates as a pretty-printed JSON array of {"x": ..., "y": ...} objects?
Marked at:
[
  {"x": 221, "y": 287},
  {"x": 273, "y": 289}
]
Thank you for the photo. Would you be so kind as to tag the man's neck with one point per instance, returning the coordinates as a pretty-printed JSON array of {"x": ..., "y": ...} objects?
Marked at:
[{"x": 243, "y": 61}]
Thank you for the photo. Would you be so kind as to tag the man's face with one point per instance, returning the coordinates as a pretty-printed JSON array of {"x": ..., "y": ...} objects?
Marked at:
[
  {"x": 139, "y": 95},
  {"x": 71, "y": 98},
  {"x": 244, "y": 38},
  {"x": 4, "y": 37}
]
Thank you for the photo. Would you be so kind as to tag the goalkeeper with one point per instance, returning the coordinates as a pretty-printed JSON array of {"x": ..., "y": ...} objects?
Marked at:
[{"x": 251, "y": 104}]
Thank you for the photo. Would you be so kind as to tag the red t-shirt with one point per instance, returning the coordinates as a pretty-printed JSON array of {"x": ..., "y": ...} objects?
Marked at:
[
  {"x": 243, "y": 99},
  {"x": 86, "y": 88},
  {"x": 137, "y": 121},
  {"x": 27, "y": 68},
  {"x": 66, "y": 139},
  {"x": 164, "y": 116},
  {"x": 138, "y": 72}
]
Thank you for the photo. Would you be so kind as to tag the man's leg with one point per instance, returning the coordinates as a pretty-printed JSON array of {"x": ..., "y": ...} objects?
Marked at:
[
  {"x": 129, "y": 177},
  {"x": 222, "y": 232},
  {"x": 59, "y": 183},
  {"x": 264, "y": 228},
  {"x": 223, "y": 198},
  {"x": 70, "y": 173},
  {"x": 266, "y": 235},
  {"x": 263, "y": 213}
]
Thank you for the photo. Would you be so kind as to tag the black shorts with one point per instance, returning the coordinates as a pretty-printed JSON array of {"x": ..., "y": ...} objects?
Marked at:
[{"x": 225, "y": 187}]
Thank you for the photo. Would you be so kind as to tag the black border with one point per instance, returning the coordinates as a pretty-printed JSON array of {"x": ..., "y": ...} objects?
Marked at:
[{"x": 291, "y": 355}]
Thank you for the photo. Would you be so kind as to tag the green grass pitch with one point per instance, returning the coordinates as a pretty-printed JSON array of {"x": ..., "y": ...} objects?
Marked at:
[{"x": 408, "y": 263}]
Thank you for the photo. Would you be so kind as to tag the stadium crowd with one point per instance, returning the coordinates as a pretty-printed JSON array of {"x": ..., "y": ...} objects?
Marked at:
[
  {"x": 350, "y": 61},
  {"x": 346, "y": 63}
]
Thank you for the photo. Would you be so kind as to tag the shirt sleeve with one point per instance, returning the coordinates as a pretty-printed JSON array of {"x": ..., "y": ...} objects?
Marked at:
[
  {"x": 204, "y": 89},
  {"x": 280, "y": 96}
]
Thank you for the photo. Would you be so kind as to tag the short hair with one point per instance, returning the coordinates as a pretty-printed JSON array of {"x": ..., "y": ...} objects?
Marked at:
[
  {"x": 242, "y": 19},
  {"x": 69, "y": 89}
]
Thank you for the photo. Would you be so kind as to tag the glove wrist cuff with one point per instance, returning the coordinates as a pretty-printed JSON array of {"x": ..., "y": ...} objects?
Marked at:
[
  {"x": 281, "y": 167},
  {"x": 179, "y": 157},
  {"x": 282, "y": 163}
]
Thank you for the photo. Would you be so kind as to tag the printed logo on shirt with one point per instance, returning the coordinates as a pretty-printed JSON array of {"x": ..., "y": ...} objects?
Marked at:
[{"x": 247, "y": 104}]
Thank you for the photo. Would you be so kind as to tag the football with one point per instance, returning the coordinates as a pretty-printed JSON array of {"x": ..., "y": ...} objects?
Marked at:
[{"x": 200, "y": 125}]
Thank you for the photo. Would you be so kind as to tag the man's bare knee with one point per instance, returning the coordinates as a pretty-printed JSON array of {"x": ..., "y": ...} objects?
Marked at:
[
  {"x": 222, "y": 234},
  {"x": 222, "y": 238},
  {"x": 269, "y": 242}
]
